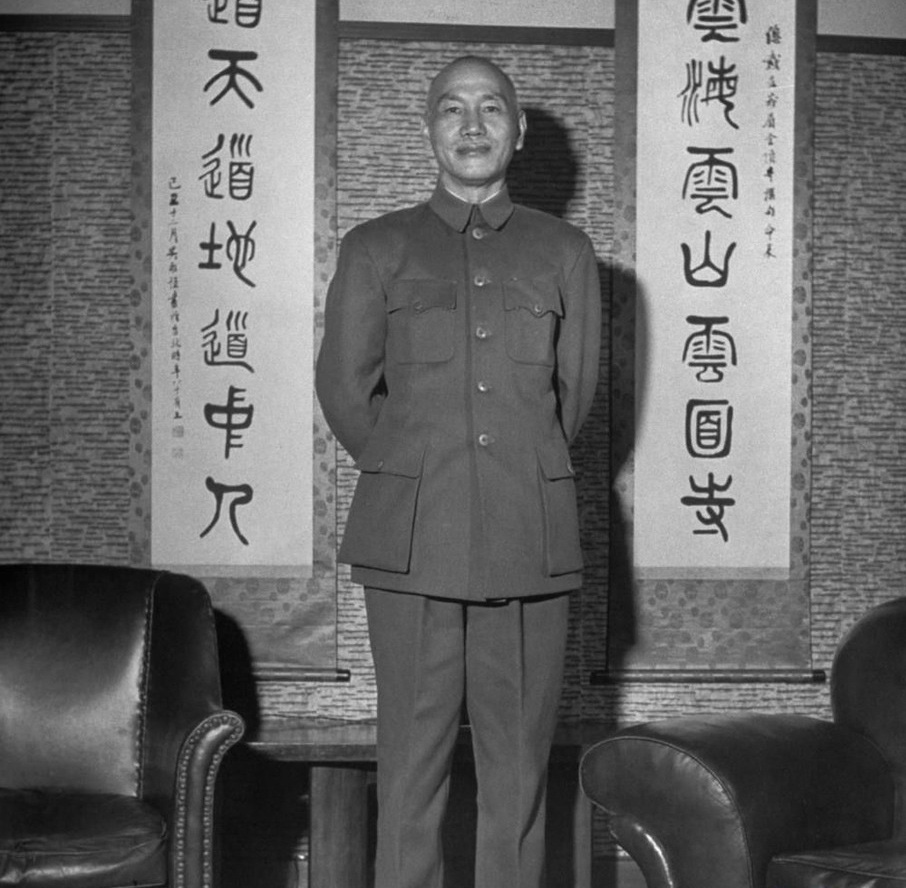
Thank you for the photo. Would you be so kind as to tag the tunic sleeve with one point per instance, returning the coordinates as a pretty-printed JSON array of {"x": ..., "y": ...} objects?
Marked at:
[
  {"x": 579, "y": 342},
  {"x": 349, "y": 374}
]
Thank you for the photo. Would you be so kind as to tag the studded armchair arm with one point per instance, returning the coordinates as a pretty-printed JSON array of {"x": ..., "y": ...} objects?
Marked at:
[
  {"x": 186, "y": 729},
  {"x": 192, "y": 817}
]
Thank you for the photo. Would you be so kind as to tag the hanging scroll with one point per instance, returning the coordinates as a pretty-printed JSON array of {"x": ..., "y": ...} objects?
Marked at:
[
  {"x": 714, "y": 259},
  {"x": 232, "y": 215}
]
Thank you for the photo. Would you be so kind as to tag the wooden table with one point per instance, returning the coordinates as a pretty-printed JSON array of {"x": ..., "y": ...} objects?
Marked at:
[{"x": 341, "y": 754}]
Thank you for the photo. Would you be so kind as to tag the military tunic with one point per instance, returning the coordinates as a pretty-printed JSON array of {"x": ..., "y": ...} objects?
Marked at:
[{"x": 459, "y": 359}]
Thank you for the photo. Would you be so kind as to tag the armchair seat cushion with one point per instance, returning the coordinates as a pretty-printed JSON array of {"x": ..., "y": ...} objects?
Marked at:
[
  {"x": 870, "y": 865},
  {"x": 80, "y": 840}
]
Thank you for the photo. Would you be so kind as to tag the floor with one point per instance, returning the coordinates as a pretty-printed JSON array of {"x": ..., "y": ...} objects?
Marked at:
[
  {"x": 264, "y": 842},
  {"x": 621, "y": 873}
]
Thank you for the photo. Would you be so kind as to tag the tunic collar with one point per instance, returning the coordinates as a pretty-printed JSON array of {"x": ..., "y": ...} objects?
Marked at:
[{"x": 455, "y": 212}]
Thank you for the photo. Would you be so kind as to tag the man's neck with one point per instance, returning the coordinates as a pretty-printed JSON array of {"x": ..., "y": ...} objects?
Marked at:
[{"x": 477, "y": 195}]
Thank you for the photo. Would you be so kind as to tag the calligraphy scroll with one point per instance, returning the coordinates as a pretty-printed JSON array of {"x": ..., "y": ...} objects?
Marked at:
[
  {"x": 232, "y": 248},
  {"x": 714, "y": 265}
]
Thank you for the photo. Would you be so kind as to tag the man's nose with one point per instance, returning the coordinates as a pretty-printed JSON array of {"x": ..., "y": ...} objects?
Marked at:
[{"x": 472, "y": 121}]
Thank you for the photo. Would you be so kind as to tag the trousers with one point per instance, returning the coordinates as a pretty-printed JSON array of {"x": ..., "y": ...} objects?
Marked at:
[{"x": 505, "y": 662}]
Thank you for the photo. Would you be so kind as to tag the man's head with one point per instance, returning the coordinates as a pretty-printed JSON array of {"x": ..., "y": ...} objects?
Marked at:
[{"x": 474, "y": 123}]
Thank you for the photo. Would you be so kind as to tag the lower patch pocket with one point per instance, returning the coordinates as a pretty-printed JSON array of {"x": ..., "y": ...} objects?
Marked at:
[
  {"x": 382, "y": 516},
  {"x": 561, "y": 545}
]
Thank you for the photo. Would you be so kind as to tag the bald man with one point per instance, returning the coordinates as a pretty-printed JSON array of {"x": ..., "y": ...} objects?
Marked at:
[{"x": 459, "y": 360}]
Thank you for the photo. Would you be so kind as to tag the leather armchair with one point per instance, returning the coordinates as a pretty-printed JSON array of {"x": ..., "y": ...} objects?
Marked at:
[
  {"x": 771, "y": 800},
  {"x": 111, "y": 728}
]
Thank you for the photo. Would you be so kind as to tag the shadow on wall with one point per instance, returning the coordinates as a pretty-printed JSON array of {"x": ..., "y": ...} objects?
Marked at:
[
  {"x": 628, "y": 387},
  {"x": 264, "y": 810},
  {"x": 543, "y": 174}
]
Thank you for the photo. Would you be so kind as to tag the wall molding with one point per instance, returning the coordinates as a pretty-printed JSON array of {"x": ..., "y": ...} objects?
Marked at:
[
  {"x": 476, "y": 33},
  {"x": 840, "y": 43},
  {"x": 66, "y": 23},
  {"x": 707, "y": 676},
  {"x": 413, "y": 31}
]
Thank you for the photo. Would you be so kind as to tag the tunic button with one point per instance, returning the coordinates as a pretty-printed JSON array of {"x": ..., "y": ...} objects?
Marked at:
[
  {"x": 537, "y": 308},
  {"x": 482, "y": 386},
  {"x": 485, "y": 440},
  {"x": 482, "y": 332},
  {"x": 478, "y": 233},
  {"x": 480, "y": 280}
]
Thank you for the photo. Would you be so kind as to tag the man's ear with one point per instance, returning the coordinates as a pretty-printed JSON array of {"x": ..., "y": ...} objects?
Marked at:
[{"x": 523, "y": 126}]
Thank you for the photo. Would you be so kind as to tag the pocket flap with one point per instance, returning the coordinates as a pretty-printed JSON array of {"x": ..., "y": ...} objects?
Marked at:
[
  {"x": 390, "y": 457},
  {"x": 555, "y": 462},
  {"x": 538, "y": 295},
  {"x": 421, "y": 295}
]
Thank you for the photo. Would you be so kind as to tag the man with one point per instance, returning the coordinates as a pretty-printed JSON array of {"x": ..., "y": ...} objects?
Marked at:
[{"x": 459, "y": 358}]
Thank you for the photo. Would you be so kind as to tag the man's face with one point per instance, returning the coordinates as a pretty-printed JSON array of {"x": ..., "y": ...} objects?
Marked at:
[{"x": 474, "y": 125}]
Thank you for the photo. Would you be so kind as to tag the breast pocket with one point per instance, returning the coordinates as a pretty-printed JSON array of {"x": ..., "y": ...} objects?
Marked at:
[
  {"x": 533, "y": 311},
  {"x": 420, "y": 315}
]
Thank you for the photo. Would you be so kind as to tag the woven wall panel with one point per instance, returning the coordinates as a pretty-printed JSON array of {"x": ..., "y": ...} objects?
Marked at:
[
  {"x": 64, "y": 181},
  {"x": 859, "y": 414}
]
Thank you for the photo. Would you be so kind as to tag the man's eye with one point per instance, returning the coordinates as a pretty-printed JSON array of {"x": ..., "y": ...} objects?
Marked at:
[
  {"x": 492, "y": 109},
  {"x": 451, "y": 109}
]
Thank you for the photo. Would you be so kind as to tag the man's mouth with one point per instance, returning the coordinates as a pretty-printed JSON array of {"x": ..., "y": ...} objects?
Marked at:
[{"x": 471, "y": 150}]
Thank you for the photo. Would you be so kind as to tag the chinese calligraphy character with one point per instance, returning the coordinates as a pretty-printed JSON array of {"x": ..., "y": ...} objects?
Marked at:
[
  {"x": 710, "y": 507},
  {"x": 709, "y": 429},
  {"x": 708, "y": 350},
  {"x": 720, "y": 86},
  {"x": 248, "y": 12},
  {"x": 717, "y": 18},
  {"x": 240, "y": 172},
  {"x": 706, "y": 273},
  {"x": 711, "y": 180},
  {"x": 236, "y": 344},
  {"x": 244, "y": 497},
  {"x": 240, "y": 249},
  {"x": 233, "y": 418},
  {"x": 232, "y": 73},
  {"x": 772, "y": 61}
]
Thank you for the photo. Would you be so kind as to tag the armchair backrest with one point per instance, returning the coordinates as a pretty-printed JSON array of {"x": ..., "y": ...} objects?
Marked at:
[
  {"x": 868, "y": 688},
  {"x": 100, "y": 670}
]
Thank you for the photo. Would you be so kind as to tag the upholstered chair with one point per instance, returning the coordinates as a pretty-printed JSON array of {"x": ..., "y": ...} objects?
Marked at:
[
  {"x": 772, "y": 800},
  {"x": 111, "y": 728}
]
